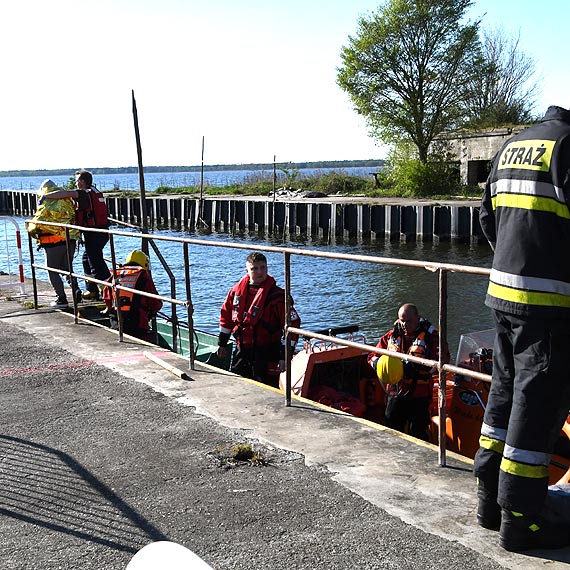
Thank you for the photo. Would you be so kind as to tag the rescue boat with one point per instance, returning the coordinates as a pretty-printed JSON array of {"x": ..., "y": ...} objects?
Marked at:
[{"x": 340, "y": 377}]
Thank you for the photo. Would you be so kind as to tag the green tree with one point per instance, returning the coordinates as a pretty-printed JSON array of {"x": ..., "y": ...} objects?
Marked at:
[
  {"x": 406, "y": 68},
  {"x": 504, "y": 91}
]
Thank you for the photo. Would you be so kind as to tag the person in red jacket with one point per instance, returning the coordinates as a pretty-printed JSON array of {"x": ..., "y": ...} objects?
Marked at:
[
  {"x": 408, "y": 401},
  {"x": 254, "y": 312},
  {"x": 136, "y": 310}
]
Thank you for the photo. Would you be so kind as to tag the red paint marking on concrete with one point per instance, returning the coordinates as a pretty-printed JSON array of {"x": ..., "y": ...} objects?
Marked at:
[{"x": 83, "y": 363}]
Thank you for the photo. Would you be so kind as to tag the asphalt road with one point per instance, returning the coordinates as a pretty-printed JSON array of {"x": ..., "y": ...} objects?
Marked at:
[{"x": 102, "y": 452}]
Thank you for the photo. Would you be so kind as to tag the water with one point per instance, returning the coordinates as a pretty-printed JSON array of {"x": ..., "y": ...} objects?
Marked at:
[
  {"x": 173, "y": 179},
  {"x": 326, "y": 292}
]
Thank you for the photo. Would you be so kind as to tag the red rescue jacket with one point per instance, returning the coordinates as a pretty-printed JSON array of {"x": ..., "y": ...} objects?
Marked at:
[{"x": 256, "y": 314}]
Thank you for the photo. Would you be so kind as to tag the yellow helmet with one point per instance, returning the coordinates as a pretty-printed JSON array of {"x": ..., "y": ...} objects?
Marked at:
[
  {"x": 138, "y": 258},
  {"x": 389, "y": 370}
]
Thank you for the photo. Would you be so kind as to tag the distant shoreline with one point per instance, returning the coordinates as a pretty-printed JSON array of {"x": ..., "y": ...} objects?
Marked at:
[{"x": 207, "y": 168}]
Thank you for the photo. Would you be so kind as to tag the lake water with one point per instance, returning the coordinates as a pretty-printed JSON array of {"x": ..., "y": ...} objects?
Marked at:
[
  {"x": 326, "y": 292},
  {"x": 154, "y": 180}
]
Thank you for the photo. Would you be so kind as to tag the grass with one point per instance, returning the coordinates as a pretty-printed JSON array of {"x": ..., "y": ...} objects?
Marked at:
[{"x": 330, "y": 184}]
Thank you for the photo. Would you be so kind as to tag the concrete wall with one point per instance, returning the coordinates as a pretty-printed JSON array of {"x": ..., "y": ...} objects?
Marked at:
[{"x": 475, "y": 151}]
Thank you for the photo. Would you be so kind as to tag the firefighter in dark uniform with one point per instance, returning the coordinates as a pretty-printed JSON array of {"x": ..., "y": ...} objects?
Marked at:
[{"x": 525, "y": 215}]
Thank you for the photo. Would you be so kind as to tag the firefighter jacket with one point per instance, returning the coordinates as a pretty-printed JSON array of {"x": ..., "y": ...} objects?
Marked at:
[
  {"x": 255, "y": 315},
  {"x": 418, "y": 380},
  {"x": 136, "y": 310},
  {"x": 525, "y": 216}
]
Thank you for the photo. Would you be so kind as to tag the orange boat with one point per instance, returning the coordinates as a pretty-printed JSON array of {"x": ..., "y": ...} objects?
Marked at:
[{"x": 340, "y": 377}]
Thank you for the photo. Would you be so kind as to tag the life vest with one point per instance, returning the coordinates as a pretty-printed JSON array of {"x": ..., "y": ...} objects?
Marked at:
[
  {"x": 249, "y": 328},
  {"x": 49, "y": 239},
  {"x": 417, "y": 348},
  {"x": 126, "y": 277},
  {"x": 91, "y": 209}
]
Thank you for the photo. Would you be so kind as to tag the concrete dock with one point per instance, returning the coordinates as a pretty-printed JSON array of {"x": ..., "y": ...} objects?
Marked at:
[{"x": 103, "y": 451}]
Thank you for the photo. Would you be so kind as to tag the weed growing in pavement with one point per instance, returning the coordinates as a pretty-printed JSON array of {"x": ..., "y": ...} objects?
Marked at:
[{"x": 229, "y": 456}]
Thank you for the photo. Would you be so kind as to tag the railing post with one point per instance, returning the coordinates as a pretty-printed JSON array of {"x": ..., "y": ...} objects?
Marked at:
[
  {"x": 189, "y": 307},
  {"x": 114, "y": 286},
  {"x": 442, "y": 405},
  {"x": 287, "y": 325},
  {"x": 69, "y": 255},
  {"x": 33, "y": 267}
]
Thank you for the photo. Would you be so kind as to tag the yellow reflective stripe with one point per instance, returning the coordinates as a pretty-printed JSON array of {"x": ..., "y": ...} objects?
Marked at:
[
  {"x": 528, "y": 297},
  {"x": 523, "y": 470},
  {"x": 492, "y": 444},
  {"x": 526, "y": 202}
]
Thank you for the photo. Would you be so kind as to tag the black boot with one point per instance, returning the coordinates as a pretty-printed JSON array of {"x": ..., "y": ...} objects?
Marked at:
[
  {"x": 520, "y": 532},
  {"x": 488, "y": 510}
]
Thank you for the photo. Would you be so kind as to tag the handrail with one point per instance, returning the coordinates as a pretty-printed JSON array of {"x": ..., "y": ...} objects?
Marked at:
[{"x": 287, "y": 252}]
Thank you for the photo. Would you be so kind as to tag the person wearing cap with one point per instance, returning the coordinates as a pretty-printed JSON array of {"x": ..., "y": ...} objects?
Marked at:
[
  {"x": 409, "y": 387},
  {"x": 137, "y": 311},
  {"x": 52, "y": 239},
  {"x": 254, "y": 312}
]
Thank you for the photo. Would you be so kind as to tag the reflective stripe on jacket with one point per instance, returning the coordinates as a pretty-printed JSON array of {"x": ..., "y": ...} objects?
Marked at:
[{"x": 525, "y": 212}]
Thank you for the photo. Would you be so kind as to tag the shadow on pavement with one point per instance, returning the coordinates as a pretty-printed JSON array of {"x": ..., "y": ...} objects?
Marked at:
[{"x": 46, "y": 487}]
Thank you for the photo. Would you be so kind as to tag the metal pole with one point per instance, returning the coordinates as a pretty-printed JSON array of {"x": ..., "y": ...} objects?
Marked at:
[
  {"x": 69, "y": 276},
  {"x": 144, "y": 245},
  {"x": 442, "y": 405},
  {"x": 190, "y": 307},
  {"x": 33, "y": 267},
  {"x": 274, "y": 192},
  {"x": 202, "y": 178},
  {"x": 115, "y": 291},
  {"x": 287, "y": 325}
]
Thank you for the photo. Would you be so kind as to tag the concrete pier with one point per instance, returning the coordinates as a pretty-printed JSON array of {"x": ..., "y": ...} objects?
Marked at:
[
  {"x": 393, "y": 219},
  {"x": 104, "y": 451}
]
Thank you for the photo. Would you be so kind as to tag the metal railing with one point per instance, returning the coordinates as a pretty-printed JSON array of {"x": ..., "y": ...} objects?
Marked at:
[
  {"x": 18, "y": 252},
  {"x": 443, "y": 269}
]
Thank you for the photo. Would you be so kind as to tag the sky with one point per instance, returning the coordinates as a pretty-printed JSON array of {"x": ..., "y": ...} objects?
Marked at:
[{"x": 255, "y": 78}]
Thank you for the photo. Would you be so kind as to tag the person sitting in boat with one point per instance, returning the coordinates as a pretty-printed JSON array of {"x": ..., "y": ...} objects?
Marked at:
[
  {"x": 254, "y": 312},
  {"x": 408, "y": 400},
  {"x": 136, "y": 310}
]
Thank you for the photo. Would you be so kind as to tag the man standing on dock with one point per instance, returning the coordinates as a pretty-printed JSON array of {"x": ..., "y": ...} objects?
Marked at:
[
  {"x": 254, "y": 312},
  {"x": 525, "y": 215}
]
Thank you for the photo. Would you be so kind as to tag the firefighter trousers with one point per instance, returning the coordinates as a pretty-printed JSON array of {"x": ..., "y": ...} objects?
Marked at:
[{"x": 527, "y": 406}]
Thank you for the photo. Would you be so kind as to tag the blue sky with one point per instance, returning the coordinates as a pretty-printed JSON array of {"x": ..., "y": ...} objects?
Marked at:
[{"x": 256, "y": 78}]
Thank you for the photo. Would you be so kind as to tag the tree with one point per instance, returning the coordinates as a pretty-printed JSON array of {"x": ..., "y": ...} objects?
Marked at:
[
  {"x": 406, "y": 68},
  {"x": 503, "y": 92}
]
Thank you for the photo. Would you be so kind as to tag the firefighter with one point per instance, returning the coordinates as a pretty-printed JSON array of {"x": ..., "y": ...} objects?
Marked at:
[
  {"x": 254, "y": 312},
  {"x": 136, "y": 310},
  {"x": 525, "y": 216}
]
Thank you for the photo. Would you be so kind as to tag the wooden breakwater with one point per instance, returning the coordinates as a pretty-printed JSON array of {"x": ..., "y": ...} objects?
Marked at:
[{"x": 326, "y": 218}]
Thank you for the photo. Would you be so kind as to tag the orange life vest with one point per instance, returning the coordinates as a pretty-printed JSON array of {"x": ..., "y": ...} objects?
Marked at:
[
  {"x": 417, "y": 348},
  {"x": 45, "y": 239},
  {"x": 126, "y": 277}
]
